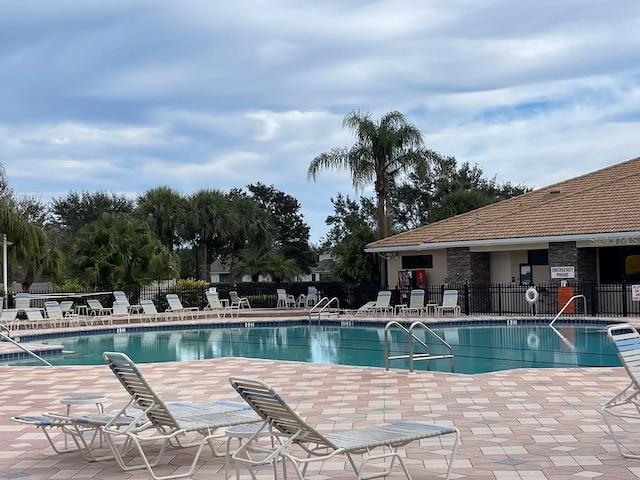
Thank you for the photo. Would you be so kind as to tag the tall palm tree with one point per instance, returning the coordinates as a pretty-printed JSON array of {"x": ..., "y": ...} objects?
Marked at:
[
  {"x": 206, "y": 224},
  {"x": 249, "y": 225},
  {"x": 30, "y": 244},
  {"x": 162, "y": 208},
  {"x": 382, "y": 151}
]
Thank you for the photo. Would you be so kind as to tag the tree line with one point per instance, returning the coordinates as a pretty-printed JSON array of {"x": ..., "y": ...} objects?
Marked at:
[{"x": 104, "y": 240}]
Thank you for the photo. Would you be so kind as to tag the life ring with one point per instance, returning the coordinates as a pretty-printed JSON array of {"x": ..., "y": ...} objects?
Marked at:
[
  {"x": 531, "y": 295},
  {"x": 533, "y": 341}
]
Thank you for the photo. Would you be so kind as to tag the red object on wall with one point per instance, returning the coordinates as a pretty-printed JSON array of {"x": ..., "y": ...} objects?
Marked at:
[
  {"x": 564, "y": 294},
  {"x": 421, "y": 278}
]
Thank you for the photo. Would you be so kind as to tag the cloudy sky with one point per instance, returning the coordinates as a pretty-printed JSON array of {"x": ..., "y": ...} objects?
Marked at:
[{"x": 128, "y": 95}]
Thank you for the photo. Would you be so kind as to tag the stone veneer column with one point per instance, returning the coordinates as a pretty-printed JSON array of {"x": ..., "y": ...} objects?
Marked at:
[
  {"x": 588, "y": 264},
  {"x": 564, "y": 254},
  {"x": 459, "y": 264}
]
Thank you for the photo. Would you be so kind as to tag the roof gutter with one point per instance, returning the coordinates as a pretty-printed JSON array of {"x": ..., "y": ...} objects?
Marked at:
[{"x": 599, "y": 240}]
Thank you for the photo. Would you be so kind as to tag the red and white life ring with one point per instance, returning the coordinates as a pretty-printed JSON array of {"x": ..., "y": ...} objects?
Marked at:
[{"x": 531, "y": 295}]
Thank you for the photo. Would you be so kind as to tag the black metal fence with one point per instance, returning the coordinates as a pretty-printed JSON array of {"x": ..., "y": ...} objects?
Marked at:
[{"x": 474, "y": 299}]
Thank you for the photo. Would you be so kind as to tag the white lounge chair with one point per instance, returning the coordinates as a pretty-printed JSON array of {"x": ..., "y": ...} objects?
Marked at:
[
  {"x": 449, "y": 303},
  {"x": 22, "y": 301},
  {"x": 238, "y": 301},
  {"x": 9, "y": 318},
  {"x": 175, "y": 306},
  {"x": 626, "y": 403},
  {"x": 96, "y": 308},
  {"x": 383, "y": 302},
  {"x": 416, "y": 303},
  {"x": 285, "y": 300},
  {"x": 152, "y": 313},
  {"x": 57, "y": 317},
  {"x": 36, "y": 319},
  {"x": 120, "y": 310},
  {"x": 365, "y": 309},
  {"x": 290, "y": 429},
  {"x": 120, "y": 296},
  {"x": 215, "y": 305},
  {"x": 168, "y": 422}
]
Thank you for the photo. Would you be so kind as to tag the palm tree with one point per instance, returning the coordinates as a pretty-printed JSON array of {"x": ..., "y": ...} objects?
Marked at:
[
  {"x": 162, "y": 208},
  {"x": 117, "y": 251},
  {"x": 252, "y": 261},
  {"x": 280, "y": 268},
  {"x": 382, "y": 151},
  {"x": 30, "y": 245},
  {"x": 249, "y": 225},
  {"x": 206, "y": 224}
]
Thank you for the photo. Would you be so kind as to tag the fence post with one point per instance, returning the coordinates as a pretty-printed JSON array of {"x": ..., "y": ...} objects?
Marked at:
[
  {"x": 466, "y": 297},
  {"x": 624, "y": 298},
  {"x": 500, "y": 299}
]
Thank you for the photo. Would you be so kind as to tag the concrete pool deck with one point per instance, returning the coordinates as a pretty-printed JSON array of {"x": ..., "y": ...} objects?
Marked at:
[
  {"x": 520, "y": 424},
  {"x": 529, "y": 424}
]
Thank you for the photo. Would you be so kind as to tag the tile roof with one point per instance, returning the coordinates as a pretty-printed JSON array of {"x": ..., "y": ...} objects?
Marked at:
[{"x": 600, "y": 202}]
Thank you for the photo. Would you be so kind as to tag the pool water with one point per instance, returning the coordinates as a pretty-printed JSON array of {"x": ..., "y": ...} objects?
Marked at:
[{"x": 476, "y": 349}]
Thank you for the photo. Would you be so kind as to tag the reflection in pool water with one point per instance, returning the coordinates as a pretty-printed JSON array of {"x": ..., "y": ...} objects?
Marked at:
[{"x": 476, "y": 348}]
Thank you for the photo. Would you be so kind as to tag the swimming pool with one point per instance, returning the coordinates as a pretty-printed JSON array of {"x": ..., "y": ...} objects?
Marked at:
[{"x": 477, "y": 349}]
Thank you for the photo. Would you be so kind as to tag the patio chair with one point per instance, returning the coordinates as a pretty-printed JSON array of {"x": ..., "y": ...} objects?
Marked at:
[
  {"x": 289, "y": 429},
  {"x": 383, "y": 302},
  {"x": 168, "y": 422},
  {"x": 215, "y": 304},
  {"x": 120, "y": 310},
  {"x": 364, "y": 309},
  {"x": 416, "y": 303},
  {"x": 84, "y": 430},
  {"x": 449, "y": 303},
  {"x": 120, "y": 296},
  {"x": 67, "y": 307},
  {"x": 9, "y": 318},
  {"x": 175, "y": 306},
  {"x": 285, "y": 300},
  {"x": 238, "y": 301},
  {"x": 625, "y": 404},
  {"x": 96, "y": 308},
  {"x": 56, "y": 316},
  {"x": 313, "y": 296},
  {"x": 36, "y": 319},
  {"x": 22, "y": 301},
  {"x": 151, "y": 312}
]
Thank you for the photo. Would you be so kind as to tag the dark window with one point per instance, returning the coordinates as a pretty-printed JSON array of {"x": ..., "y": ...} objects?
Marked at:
[
  {"x": 613, "y": 262},
  {"x": 410, "y": 262},
  {"x": 538, "y": 257},
  {"x": 225, "y": 278}
]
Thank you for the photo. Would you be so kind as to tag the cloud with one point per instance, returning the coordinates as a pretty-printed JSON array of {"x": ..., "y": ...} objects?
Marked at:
[{"x": 130, "y": 95}]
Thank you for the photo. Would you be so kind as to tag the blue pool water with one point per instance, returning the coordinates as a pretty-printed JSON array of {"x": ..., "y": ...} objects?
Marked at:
[{"x": 476, "y": 349}]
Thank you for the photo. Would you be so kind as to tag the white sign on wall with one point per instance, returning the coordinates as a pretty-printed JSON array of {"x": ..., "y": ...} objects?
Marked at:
[
  {"x": 563, "y": 272},
  {"x": 635, "y": 293}
]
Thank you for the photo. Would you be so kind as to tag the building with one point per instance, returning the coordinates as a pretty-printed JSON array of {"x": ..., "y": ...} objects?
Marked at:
[{"x": 586, "y": 229}]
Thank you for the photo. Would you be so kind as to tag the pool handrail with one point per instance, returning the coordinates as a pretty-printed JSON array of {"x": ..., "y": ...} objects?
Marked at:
[
  {"x": 21, "y": 347},
  {"x": 566, "y": 305},
  {"x": 411, "y": 338},
  {"x": 323, "y": 304}
]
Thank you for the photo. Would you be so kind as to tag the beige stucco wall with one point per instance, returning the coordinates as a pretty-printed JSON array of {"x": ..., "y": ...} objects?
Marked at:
[{"x": 435, "y": 275}]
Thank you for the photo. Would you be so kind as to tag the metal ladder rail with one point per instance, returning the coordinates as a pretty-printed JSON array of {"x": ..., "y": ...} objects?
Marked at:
[
  {"x": 21, "y": 347},
  {"x": 322, "y": 305},
  {"x": 575, "y": 297},
  {"x": 433, "y": 335},
  {"x": 411, "y": 338}
]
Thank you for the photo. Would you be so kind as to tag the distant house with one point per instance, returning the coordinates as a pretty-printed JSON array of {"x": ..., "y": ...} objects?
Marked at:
[
  {"x": 321, "y": 271},
  {"x": 583, "y": 229},
  {"x": 219, "y": 271}
]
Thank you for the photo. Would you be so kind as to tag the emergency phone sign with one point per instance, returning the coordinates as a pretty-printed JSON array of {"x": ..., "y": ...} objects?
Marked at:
[{"x": 563, "y": 272}]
